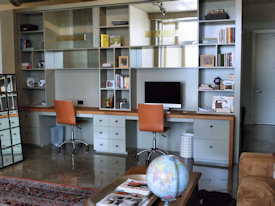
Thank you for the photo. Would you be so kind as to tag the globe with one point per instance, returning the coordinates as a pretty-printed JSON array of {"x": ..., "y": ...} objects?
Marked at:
[{"x": 167, "y": 177}]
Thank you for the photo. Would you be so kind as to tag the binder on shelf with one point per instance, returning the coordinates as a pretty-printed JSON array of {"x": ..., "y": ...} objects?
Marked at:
[{"x": 104, "y": 40}]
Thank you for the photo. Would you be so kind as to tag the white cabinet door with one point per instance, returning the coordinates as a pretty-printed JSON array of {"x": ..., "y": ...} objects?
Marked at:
[
  {"x": 14, "y": 121},
  {"x": 4, "y": 123}
]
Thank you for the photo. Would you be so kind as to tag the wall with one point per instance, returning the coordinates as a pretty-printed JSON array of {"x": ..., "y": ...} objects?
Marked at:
[
  {"x": 257, "y": 15},
  {"x": 7, "y": 42},
  {"x": 77, "y": 85}
]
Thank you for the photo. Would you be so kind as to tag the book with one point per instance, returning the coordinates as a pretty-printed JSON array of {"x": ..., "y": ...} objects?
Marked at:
[
  {"x": 134, "y": 187},
  {"x": 113, "y": 199},
  {"x": 115, "y": 41},
  {"x": 104, "y": 40}
]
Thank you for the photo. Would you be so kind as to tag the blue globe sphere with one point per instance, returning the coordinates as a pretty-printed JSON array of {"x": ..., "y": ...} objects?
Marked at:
[{"x": 167, "y": 177}]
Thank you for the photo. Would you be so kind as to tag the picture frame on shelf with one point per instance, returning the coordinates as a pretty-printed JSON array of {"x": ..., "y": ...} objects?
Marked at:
[
  {"x": 123, "y": 62},
  {"x": 207, "y": 60},
  {"x": 110, "y": 84}
]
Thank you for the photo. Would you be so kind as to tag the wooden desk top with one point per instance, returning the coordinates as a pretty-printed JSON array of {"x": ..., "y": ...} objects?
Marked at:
[
  {"x": 173, "y": 114},
  {"x": 183, "y": 199}
]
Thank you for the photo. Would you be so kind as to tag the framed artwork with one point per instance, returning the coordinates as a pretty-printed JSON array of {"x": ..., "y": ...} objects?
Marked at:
[
  {"x": 123, "y": 62},
  {"x": 207, "y": 60},
  {"x": 110, "y": 84}
]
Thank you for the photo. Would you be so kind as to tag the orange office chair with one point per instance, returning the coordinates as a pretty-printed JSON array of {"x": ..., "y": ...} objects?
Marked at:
[
  {"x": 65, "y": 114},
  {"x": 151, "y": 119}
]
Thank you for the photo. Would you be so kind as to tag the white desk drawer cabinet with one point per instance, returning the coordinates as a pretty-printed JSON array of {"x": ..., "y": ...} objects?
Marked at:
[
  {"x": 14, "y": 121},
  {"x": 211, "y": 141},
  {"x": 211, "y": 129},
  {"x": 110, "y": 134},
  {"x": 101, "y": 145},
  {"x": 101, "y": 120},
  {"x": 101, "y": 132},
  {"x": 215, "y": 151},
  {"x": 116, "y": 121},
  {"x": 4, "y": 123}
]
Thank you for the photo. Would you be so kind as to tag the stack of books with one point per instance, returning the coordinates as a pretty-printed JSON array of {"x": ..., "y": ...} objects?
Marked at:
[
  {"x": 129, "y": 193},
  {"x": 121, "y": 81},
  {"x": 205, "y": 87},
  {"x": 226, "y": 35},
  {"x": 225, "y": 60}
]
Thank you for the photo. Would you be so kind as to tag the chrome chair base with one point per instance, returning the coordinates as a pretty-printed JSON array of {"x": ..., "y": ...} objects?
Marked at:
[
  {"x": 151, "y": 151},
  {"x": 73, "y": 141}
]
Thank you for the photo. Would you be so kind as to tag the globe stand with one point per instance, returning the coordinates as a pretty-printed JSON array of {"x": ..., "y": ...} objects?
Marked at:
[{"x": 167, "y": 202}]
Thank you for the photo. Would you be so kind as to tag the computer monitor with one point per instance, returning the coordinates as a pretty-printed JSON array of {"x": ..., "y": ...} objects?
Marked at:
[{"x": 166, "y": 93}]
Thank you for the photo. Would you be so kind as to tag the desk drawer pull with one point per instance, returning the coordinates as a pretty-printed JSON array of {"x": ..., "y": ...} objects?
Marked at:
[
  {"x": 211, "y": 126},
  {"x": 116, "y": 121},
  {"x": 210, "y": 146},
  {"x": 12, "y": 122},
  {"x": 0, "y": 123},
  {"x": 116, "y": 133},
  {"x": 14, "y": 133},
  {"x": 101, "y": 144},
  {"x": 100, "y": 132},
  {"x": 100, "y": 120},
  {"x": 116, "y": 146}
]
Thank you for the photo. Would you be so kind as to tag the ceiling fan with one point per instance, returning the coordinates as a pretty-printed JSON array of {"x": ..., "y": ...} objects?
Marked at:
[{"x": 19, "y": 2}]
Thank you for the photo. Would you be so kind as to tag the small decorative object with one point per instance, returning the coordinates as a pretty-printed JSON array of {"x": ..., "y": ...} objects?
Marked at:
[
  {"x": 207, "y": 60},
  {"x": 41, "y": 64},
  {"x": 107, "y": 102},
  {"x": 119, "y": 22},
  {"x": 123, "y": 104},
  {"x": 30, "y": 82},
  {"x": 217, "y": 82},
  {"x": 167, "y": 177},
  {"x": 106, "y": 65},
  {"x": 41, "y": 83},
  {"x": 123, "y": 62},
  {"x": 115, "y": 41},
  {"x": 216, "y": 14},
  {"x": 110, "y": 84}
]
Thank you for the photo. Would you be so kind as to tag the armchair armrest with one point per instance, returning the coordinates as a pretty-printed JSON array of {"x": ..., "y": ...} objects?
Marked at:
[{"x": 256, "y": 164}]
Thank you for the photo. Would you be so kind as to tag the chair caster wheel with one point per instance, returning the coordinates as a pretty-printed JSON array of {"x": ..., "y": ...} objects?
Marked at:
[
  {"x": 137, "y": 156},
  {"x": 87, "y": 148},
  {"x": 59, "y": 149}
]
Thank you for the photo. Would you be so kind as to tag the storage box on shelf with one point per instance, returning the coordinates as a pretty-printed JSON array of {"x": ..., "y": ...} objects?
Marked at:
[{"x": 11, "y": 148}]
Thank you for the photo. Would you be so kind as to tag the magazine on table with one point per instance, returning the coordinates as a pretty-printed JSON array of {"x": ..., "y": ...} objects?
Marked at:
[
  {"x": 134, "y": 187},
  {"x": 113, "y": 199}
]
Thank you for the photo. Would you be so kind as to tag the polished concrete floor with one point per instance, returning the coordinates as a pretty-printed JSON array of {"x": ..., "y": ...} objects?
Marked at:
[{"x": 92, "y": 170}]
